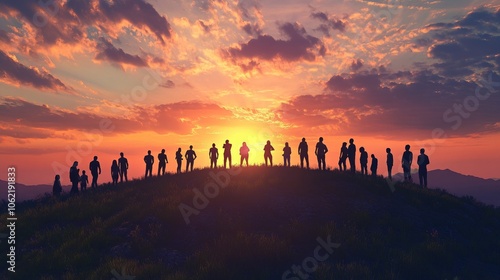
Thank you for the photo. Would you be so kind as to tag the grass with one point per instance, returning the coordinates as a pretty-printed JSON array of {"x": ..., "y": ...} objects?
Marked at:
[{"x": 264, "y": 222}]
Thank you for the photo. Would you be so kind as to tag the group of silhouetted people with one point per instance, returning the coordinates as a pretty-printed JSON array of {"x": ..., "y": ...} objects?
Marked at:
[{"x": 119, "y": 167}]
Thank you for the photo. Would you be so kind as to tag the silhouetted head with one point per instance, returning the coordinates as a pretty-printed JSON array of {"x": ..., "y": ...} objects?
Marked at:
[
  {"x": 75, "y": 164},
  {"x": 422, "y": 151},
  {"x": 95, "y": 157},
  {"x": 303, "y": 139},
  {"x": 321, "y": 139},
  {"x": 191, "y": 147},
  {"x": 286, "y": 144},
  {"x": 149, "y": 152},
  {"x": 227, "y": 141},
  {"x": 351, "y": 141},
  {"x": 373, "y": 156},
  {"x": 362, "y": 149},
  {"x": 407, "y": 147},
  {"x": 244, "y": 143},
  {"x": 121, "y": 154},
  {"x": 344, "y": 144},
  {"x": 162, "y": 151},
  {"x": 57, "y": 177},
  {"x": 179, "y": 149},
  {"x": 213, "y": 145},
  {"x": 83, "y": 172},
  {"x": 114, "y": 163},
  {"x": 268, "y": 142},
  {"x": 388, "y": 150}
]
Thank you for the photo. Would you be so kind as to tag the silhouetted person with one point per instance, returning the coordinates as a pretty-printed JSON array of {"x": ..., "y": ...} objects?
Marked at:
[
  {"x": 406, "y": 162},
  {"x": 84, "y": 180},
  {"x": 123, "y": 163},
  {"x": 95, "y": 170},
  {"x": 422, "y": 161},
  {"x": 320, "y": 152},
  {"x": 244, "y": 153},
  {"x": 57, "y": 188},
  {"x": 343, "y": 157},
  {"x": 178, "y": 158},
  {"x": 74, "y": 177},
  {"x": 390, "y": 162},
  {"x": 363, "y": 160},
  {"x": 351, "y": 153},
  {"x": 149, "y": 160},
  {"x": 227, "y": 153},
  {"x": 213, "y": 153},
  {"x": 303, "y": 153},
  {"x": 267, "y": 152},
  {"x": 287, "y": 151},
  {"x": 190, "y": 157},
  {"x": 115, "y": 172},
  {"x": 374, "y": 166},
  {"x": 162, "y": 162}
]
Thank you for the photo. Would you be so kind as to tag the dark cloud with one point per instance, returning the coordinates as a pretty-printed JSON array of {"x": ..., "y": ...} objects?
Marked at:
[
  {"x": 168, "y": 84},
  {"x": 206, "y": 28},
  {"x": 4, "y": 36},
  {"x": 297, "y": 46},
  {"x": 466, "y": 46},
  {"x": 356, "y": 64},
  {"x": 106, "y": 51},
  {"x": 163, "y": 118},
  {"x": 67, "y": 22},
  {"x": 399, "y": 104},
  {"x": 328, "y": 23},
  {"x": 12, "y": 70}
]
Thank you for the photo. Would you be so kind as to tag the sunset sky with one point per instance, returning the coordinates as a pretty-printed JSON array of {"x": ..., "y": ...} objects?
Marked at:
[{"x": 80, "y": 78}]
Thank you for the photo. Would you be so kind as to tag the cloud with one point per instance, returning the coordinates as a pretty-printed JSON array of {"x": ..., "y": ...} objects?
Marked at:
[
  {"x": 179, "y": 118},
  {"x": 356, "y": 64},
  {"x": 406, "y": 104},
  {"x": 15, "y": 72},
  {"x": 298, "y": 46},
  {"x": 328, "y": 23},
  {"x": 108, "y": 52},
  {"x": 168, "y": 84},
  {"x": 4, "y": 36},
  {"x": 466, "y": 46}
]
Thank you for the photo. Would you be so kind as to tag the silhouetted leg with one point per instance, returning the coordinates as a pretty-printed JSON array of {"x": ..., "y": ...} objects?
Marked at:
[
  {"x": 271, "y": 160},
  {"x": 389, "y": 171},
  {"x": 230, "y": 164},
  {"x": 301, "y": 161},
  {"x": 425, "y": 178}
]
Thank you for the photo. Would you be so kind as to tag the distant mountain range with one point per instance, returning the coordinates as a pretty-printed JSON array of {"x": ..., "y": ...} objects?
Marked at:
[{"x": 484, "y": 190}]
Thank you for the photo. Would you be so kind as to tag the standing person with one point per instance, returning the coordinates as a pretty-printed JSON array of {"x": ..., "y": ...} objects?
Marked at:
[
  {"x": 149, "y": 160},
  {"x": 343, "y": 157},
  {"x": 227, "y": 153},
  {"x": 57, "y": 188},
  {"x": 178, "y": 158},
  {"x": 95, "y": 170},
  {"x": 244, "y": 153},
  {"x": 320, "y": 152},
  {"x": 115, "y": 171},
  {"x": 374, "y": 166},
  {"x": 406, "y": 162},
  {"x": 190, "y": 157},
  {"x": 390, "y": 162},
  {"x": 363, "y": 160},
  {"x": 213, "y": 153},
  {"x": 287, "y": 151},
  {"x": 267, "y": 152},
  {"x": 84, "y": 180},
  {"x": 303, "y": 153},
  {"x": 351, "y": 153},
  {"x": 123, "y": 163},
  {"x": 74, "y": 177},
  {"x": 422, "y": 161},
  {"x": 162, "y": 162}
]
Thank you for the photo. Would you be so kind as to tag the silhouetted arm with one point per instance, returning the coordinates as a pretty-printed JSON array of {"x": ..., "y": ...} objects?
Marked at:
[
  {"x": 99, "y": 167},
  {"x": 326, "y": 149},
  {"x": 194, "y": 155}
]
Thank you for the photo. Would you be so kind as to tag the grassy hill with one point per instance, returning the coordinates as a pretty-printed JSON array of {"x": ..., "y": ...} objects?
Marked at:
[{"x": 264, "y": 223}]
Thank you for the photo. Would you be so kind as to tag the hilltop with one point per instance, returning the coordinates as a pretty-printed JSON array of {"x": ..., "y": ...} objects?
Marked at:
[{"x": 263, "y": 223}]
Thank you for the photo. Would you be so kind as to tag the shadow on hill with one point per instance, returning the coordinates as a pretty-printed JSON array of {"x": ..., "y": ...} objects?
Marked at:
[{"x": 257, "y": 225}]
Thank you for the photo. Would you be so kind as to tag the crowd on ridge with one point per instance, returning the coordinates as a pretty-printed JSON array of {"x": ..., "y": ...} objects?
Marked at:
[{"x": 120, "y": 166}]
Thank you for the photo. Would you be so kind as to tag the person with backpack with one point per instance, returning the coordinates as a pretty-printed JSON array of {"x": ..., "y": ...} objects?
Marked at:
[{"x": 422, "y": 161}]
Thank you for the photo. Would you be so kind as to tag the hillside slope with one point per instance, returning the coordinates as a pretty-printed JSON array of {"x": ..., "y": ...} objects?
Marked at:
[{"x": 264, "y": 223}]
